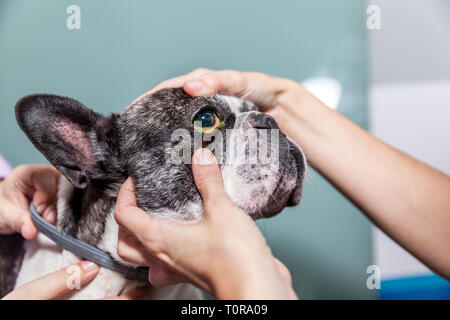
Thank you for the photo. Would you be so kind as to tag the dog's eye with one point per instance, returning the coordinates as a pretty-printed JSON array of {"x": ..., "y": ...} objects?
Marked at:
[{"x": 206, "y": 121}]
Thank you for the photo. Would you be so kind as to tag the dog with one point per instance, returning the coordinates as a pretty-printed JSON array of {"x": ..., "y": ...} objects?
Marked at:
[{"x": 95, "y": 155}]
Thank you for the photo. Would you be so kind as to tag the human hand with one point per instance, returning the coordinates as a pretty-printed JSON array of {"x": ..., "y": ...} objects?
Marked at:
[
  {"x": 224, "y": 254},
  {"x": 63, "y": 281},
  {"x": 56, "y": 284},
  {"x": 278, "y": 97},
  {"x": 37, "y": 183}
]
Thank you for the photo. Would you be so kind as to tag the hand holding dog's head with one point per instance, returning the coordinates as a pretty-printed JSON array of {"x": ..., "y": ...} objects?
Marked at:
[{"x": 90, "y": 149}]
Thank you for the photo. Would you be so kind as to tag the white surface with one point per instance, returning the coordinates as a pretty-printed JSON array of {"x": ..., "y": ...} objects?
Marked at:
[
  {"x": 413, "y": 43},
  {"x": 327, "y": 89},
  {"x": 415, "y": 118}
]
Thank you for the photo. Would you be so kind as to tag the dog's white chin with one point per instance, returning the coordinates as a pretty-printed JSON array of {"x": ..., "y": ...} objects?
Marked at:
[{"x": 251, "y": 197}]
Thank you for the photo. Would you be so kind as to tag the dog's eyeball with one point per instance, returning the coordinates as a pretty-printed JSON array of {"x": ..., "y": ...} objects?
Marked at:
[{"x": 206, "y": 121}]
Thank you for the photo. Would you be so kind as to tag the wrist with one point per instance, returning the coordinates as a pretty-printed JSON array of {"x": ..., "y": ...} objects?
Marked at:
[
  {"x": 261, "y": 282},
  {"x": 249, "y": 276},
  {"x": 305, "y": 119},
  {"x": 237, "y": 285}
]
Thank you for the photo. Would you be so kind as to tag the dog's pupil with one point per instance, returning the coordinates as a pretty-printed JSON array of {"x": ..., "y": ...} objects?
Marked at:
[{"x": 207, "y": 118}]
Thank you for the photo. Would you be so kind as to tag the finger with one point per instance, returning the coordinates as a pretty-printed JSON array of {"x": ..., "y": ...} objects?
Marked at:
[
  {"x": 259, "y": 88},
  {"x": 140, "y": 293},
  {"x": 126, "y": 212},
  {"x": 21, "y": 222},
  {"x": 226, "y": 82},
  {"x": 56, "y": 284},
  {"x": 208, "y": 179},
  {"x": 151, "y": 232},
  {"x": 45, "y": 184},
  {"x": 50, "y": 213},
  {"x": 37, "y": 183},
  {"x": 162, "y": 275},
  {"x": 179, "y": 81},
  {"x": 27, "y": 227},
  {"x": 42, "y": 184},
  {"x": 172, "y": 83},
  {"x": 130, "y": 249}
]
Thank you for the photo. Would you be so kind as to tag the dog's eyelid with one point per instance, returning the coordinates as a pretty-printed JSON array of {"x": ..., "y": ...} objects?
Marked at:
[{"x": 207, "y": 107}]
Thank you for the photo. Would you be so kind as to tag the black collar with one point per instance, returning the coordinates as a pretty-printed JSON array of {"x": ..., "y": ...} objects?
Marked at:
[{"x": 85, "y": 250}]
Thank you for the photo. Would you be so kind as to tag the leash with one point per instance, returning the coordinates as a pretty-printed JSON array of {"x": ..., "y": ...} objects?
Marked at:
[{"x": 85, "y": 250}]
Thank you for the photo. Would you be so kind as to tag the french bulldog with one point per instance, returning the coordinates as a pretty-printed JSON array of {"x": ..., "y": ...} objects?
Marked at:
[{"x": 95, "y": 155}]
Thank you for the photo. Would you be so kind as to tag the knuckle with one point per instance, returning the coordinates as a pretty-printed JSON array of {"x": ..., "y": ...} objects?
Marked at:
[
  {"x": 162, "y": 84},
  {"x": 235, "y": 81},
  {"x": 210, "y": 79},
  {"x": 118, "y": 214},
  {"x": 234, "y": 74},
  {"x": 200, "y": 70},
  {"x": 202, "y": 178},
  {"x": 203, "y": 184},
  {"x": 21, "y": 168},
  {"x": 121, "y": 250}
]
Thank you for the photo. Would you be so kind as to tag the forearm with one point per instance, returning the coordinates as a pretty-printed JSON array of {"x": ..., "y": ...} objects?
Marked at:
[{"x": 407, "y": 199}]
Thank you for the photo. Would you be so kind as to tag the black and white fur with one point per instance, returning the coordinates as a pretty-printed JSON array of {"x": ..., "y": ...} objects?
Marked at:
[{"x": 96, "y": 154}]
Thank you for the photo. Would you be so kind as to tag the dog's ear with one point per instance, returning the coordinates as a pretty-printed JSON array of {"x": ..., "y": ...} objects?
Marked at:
[{"x": 67, "y": 133}]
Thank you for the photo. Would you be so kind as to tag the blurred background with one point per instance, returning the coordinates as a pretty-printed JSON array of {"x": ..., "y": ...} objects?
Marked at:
[
  {"x": 410, "y": 109},
  {"x": 394, "y": 81}
]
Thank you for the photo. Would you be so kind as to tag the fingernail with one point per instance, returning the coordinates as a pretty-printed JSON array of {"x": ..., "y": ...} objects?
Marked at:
[
  {"x": 204, "y": 157},
  {"x": 88, "y": 266},
  {"x": 195, "y": 86},
  {"x": 50, "y": 216}
]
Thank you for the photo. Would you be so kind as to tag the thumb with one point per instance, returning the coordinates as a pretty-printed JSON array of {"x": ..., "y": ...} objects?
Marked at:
[
  {"x": 45, "y": 184},
  {"x": 22, "y": 223},
  {"x": 27, "y": 227},
  {"x": 208, "y": 178}
]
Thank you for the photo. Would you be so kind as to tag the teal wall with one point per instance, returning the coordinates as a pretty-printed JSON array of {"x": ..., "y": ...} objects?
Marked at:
[{"x": 126, "y": 47}]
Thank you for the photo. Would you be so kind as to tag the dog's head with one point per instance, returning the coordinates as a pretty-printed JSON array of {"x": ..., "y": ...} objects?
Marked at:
[{"x": 153, "y": 141}]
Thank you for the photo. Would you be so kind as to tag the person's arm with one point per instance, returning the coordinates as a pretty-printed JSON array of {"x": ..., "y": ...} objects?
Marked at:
[
  {"x": 225, "y": 253},
  {"x": 37, "y": 183},
  {"x": 407, "y": 199}
]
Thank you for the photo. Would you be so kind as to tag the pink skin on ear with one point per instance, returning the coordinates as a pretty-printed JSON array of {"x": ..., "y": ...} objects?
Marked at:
[{"x": 73, "y": 135}]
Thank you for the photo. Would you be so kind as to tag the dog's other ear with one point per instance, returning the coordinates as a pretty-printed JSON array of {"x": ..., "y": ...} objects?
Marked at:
[{"x": 67, "y": 133}]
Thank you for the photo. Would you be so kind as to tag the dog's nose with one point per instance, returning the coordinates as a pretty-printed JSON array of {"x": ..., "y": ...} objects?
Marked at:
[{"x": 264, "y": 121}]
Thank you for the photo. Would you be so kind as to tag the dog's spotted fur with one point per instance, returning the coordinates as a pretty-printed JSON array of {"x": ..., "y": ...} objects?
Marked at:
[{"x": 96, "y": 154}]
